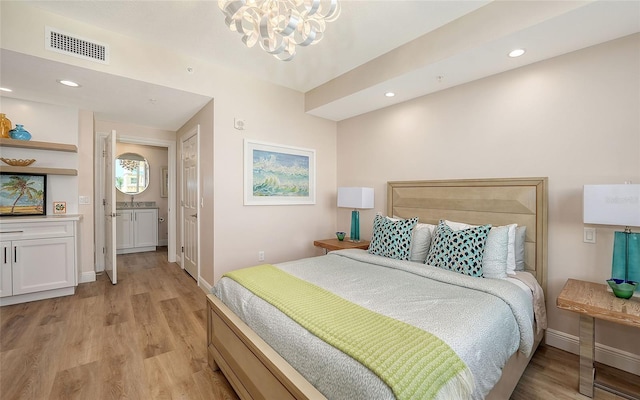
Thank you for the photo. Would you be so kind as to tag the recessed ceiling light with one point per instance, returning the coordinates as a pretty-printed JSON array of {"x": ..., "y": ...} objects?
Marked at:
[
  {"x": 4, "y": 89},
  {"x": 389, "y": 94},
  {"x": 516, "y": 53},
  {"x": 68, "y": 83}
]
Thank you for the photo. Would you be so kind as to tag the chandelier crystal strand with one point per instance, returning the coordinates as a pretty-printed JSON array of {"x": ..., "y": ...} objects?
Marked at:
[{"x": 279, "y": 25}]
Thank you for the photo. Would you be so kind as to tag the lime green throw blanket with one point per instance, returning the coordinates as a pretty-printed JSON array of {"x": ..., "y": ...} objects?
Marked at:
[{"x": 414, "y": 363}]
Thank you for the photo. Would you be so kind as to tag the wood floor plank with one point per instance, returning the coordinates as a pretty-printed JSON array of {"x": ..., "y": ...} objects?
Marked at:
[
  {"x": 78, "y": 383},
  {"x": 85, "y": 333},
  {"x": 145, "y": 338},
  {"x": 16, "y": 320},
  {"x": 28, "y": 372}
]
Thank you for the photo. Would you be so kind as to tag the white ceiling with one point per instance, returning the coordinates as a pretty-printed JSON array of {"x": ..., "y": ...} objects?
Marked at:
[{"x": 361, "y": 36}]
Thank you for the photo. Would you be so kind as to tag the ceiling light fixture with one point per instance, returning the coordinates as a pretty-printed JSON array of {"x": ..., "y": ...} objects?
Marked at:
[
  {"x": 389, "y": 94},
  {"x": 279, "y": 25},
  {"x": 516, "y": 53},
  {"x": 4, "y": 89},
  {"x": 68, "y": 83}
]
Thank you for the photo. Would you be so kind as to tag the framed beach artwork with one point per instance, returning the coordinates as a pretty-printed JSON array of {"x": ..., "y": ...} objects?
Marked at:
[
  {"x": 278, "y": 175},
  {"x": 22, "y": 194}
]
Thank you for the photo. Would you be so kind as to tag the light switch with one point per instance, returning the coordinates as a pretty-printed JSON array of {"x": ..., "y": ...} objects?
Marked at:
[
  {"x": 84, "y": 200},
  {"x": 589, "y": 235}
]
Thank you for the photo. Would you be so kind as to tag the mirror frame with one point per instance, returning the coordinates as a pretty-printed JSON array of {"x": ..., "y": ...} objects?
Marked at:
[{"x": 131, "y": 157}]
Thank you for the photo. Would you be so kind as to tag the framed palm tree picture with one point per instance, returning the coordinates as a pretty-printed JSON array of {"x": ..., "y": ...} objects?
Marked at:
[{"x": 23, "y": 194}]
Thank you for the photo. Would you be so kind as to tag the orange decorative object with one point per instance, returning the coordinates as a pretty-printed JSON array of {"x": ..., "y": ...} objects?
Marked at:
[
  {"x": 17, "y": 162},
  {"x": 5, "y": 125}
]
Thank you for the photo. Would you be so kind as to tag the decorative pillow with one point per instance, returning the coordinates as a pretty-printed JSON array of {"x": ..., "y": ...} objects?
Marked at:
[
  {"x": 459, "y": 251},
  {"x": 390, "y": 238},
  {"x": 510, "y": 256},
  {"x": 421, "y": 237},
  {"x": 521, "y": 234},
  {"x": 494, "y": 260}
]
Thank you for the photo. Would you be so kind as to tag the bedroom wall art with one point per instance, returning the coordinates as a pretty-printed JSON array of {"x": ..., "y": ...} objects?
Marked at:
[{"x": 278, "y": 175}]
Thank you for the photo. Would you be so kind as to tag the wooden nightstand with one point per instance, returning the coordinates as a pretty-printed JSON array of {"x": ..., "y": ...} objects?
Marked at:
[
  {"x": 593, "y": 300},
  {"x": 335, "y": 244}
]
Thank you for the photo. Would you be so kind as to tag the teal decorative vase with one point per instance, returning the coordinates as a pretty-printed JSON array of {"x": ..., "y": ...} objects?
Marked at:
[{"x": 19, "y": 133}]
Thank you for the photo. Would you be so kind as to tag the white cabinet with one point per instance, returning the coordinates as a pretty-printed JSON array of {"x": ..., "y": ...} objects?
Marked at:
[
  {"x": 38, "y": 258},
  {"x": 6, "y": 283},
  {"x": 136, "y": 230}
]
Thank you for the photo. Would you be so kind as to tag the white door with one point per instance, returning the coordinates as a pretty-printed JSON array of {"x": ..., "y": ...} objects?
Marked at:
[
  {"x": 109, "y": 202},
  {"x": 190, "y": 205}
]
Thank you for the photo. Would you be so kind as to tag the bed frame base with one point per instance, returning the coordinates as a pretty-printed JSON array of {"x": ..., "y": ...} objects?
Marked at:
[{"x": 256, "y": 371}]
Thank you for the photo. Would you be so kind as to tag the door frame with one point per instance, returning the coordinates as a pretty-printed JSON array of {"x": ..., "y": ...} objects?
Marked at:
[{"x": 99, "y": 195}]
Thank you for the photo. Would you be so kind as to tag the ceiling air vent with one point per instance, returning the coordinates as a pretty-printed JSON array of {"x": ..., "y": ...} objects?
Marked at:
[{"x": 65, "y": 43}]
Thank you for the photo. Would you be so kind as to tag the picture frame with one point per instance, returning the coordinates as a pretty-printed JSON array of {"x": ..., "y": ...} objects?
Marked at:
[
  {"x": 278, "y": 175},
  {"x": 164, "y": 182},
  {"x": 59, "y": 207},
  {"x": 23, "y": 194}
]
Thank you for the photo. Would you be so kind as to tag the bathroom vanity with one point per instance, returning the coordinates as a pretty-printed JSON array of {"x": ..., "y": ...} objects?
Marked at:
[{"x": 136, "y": 227}]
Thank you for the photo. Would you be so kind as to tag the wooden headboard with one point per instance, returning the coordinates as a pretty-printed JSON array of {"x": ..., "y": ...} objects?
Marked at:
[{"x": 499, "y": 201}]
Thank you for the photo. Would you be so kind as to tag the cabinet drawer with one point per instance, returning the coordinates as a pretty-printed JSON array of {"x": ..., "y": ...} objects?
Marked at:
[{"x": 32, "y": 230}]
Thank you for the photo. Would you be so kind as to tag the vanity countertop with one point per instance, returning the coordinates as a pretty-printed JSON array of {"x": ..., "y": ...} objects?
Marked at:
[{"x": 127, "y": 205}]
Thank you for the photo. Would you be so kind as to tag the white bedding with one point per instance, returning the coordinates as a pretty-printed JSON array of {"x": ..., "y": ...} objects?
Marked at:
[{"x": 483, "y": 329}]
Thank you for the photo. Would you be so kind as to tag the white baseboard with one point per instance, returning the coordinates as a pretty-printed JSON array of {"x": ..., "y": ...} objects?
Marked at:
[
  {"x": 204, "y": 285},
  {"x": 163, "y": 242},
  {"x": 87, "y": 277},
  {"x": 604, "y": 354}
]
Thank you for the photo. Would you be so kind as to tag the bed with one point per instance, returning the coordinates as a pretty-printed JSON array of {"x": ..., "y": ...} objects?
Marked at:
[{"x": 256, "y": 370}]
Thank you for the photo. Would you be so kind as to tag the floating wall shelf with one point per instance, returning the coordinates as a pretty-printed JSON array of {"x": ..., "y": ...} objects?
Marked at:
[
  {"x": 36, "y": 170},
  {"x": 32, "y": 144}
]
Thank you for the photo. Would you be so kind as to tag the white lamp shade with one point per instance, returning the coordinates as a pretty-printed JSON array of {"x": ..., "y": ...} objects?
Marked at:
[
  {"x": 612, "y": 205},
  {"x": 355, "y": 197}
]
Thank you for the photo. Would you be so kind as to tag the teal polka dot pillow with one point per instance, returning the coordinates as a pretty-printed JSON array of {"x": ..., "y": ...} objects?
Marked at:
[
  {"x": 392, "y": 239},
  {"x": 460, "y": 251}
]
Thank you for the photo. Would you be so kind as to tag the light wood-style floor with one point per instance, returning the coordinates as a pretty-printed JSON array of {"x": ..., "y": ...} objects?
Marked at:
[{"x": 145, "y": 338}]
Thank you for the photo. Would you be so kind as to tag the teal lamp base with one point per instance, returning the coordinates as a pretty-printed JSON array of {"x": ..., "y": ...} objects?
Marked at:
[
  {"x": 355, "y": 226},
  {"x": 626, "y": 258},
  {"x": 625, "y": 269}
]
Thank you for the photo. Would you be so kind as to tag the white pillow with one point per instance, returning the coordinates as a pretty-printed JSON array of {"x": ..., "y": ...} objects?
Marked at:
[
  {"x": 421, "y": 237},
  {"x": 494, "y": 260},
  {"x": 421, "y": 242},
  {"x": 511, "y": 257},
  {"x": 496, "y": 252},
  {"x": 521, "y": 234}
]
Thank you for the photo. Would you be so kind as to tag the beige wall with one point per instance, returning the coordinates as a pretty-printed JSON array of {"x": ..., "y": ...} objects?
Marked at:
[
  {"x": 86, "y": 253},
  {"x": 574, "y": 119},
  {"x": 282, "y": 232}
]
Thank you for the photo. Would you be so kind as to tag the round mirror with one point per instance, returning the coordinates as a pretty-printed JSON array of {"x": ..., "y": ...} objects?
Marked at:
[{"x": 131, "y": 173}]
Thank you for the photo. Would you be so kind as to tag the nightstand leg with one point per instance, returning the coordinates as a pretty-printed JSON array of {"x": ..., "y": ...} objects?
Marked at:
[{"x": 587, "y": 354}]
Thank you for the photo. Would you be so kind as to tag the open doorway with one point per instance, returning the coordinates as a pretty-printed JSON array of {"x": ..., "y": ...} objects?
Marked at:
[{"x": 170, "y": 219}]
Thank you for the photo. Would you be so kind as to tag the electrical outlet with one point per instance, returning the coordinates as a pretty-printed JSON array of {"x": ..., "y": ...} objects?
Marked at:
[
  {"x": 589, "y": 235},
  {"x": 261, "y": 255}
]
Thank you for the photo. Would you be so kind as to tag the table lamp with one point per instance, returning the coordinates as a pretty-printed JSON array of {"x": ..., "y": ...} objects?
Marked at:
[
  {"x": 356, "y": 198},
  {"x": 618, "y": 205}
]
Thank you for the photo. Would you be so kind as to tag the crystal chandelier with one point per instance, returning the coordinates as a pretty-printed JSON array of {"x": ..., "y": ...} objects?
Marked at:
[{"x": 279, "y": 25}]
